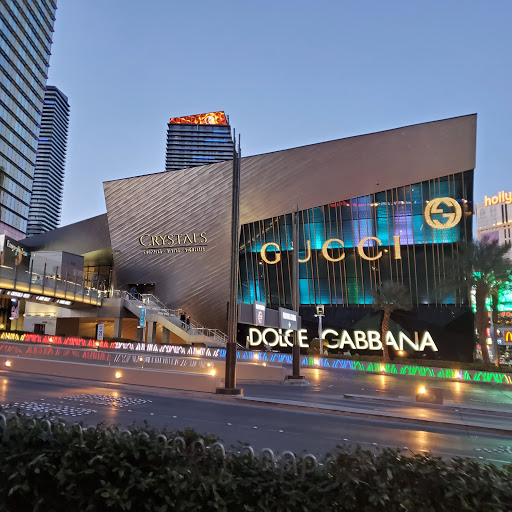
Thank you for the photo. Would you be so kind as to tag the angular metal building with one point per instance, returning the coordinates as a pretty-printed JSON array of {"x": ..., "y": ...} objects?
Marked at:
[
  {"x": 392, "y": 205},
  {"x": 366, "y": 196}
]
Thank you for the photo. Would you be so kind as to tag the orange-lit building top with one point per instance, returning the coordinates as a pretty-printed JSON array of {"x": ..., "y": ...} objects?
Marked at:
[{"x": 208, "y": 118}]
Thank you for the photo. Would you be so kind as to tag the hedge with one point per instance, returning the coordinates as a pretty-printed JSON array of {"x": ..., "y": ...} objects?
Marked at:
[{"x": 48, "y": 465}]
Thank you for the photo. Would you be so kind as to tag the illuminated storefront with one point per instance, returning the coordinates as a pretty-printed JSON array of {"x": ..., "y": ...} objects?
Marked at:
[
  {"x": 348, "y": 247},
  {"x": 392, "y": 205}
]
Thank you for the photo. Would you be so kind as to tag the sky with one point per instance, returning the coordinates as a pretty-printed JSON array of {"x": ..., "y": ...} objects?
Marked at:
[{"x": 288, "y": 73}]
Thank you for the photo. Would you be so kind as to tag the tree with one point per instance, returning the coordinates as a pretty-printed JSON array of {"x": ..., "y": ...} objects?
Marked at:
[
  {"x": 480, "y": 266},
  {"x": 388, "y": 297},
  {"x": 501, "y": 284}
]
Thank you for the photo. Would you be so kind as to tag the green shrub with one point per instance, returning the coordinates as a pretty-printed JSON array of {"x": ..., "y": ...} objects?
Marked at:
[{"x": 51, "y": 466}]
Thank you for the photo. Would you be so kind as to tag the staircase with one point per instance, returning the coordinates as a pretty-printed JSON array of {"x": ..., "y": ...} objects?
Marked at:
[{"x": 157, "y": 312}]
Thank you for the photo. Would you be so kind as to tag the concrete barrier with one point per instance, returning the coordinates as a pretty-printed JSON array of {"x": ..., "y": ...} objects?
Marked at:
[{"x": 155, "y": 378}]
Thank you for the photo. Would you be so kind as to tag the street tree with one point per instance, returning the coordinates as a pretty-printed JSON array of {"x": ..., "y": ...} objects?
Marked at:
[
  {"x": 481, "y": 267},
  {"x": 388, "y": 297},
  {"x": 501, "y": 285}
]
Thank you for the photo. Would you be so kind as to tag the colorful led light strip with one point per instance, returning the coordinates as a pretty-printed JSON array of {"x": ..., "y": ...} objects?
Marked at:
[{"x": 273, "y": 357}]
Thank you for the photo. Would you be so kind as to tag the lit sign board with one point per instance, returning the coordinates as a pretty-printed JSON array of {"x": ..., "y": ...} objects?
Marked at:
[
  {"x": 17, "y": 249},
  {"x": 173, "y": 243},
  {"x": 64, "y": 302},
  {"x": 433, "y": 215},
  {"x": 208, "y": 118},
  {"x": 360, "y": 340},
  {"x": 258, "y": 309},
  {"x": 452, "y": 218},
  {"x": 288, "y": 319},
  {"x": 506, "y": 335},
  {"x": 20, "y": 295},
  {"x": 502, "y": 197},
  {"x": 43, "y": 298}
]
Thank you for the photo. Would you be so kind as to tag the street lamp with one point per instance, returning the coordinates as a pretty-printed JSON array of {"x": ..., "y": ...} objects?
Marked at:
[
  {"x": 230, "y": 375},
  {"x": 320, "y": 315},
  {"x": 295, "y": 298}
]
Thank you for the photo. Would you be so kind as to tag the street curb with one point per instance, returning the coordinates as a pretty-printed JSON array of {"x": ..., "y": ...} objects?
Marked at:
[
  {"x": 376, "y": 415},
  {"x": 446, "y": 407}
]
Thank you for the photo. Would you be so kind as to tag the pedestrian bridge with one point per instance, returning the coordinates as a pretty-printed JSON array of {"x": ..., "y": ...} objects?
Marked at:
[{"x": 27, "y": 284}]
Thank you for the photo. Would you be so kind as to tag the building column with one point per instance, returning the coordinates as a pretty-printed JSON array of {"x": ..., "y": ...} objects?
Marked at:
[
  {"x": 165, "y": 335},
  {"x": 151, "y": 336},
  {"x": 118, "y": 327},
  {"x": 139, "y": 333}
]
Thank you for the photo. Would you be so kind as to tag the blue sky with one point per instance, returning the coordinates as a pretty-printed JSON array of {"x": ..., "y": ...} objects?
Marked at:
[{"x": 287, "y": 72}]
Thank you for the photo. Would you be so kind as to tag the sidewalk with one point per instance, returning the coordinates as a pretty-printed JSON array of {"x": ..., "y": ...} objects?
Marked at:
[{"x": 498, "y": 425}]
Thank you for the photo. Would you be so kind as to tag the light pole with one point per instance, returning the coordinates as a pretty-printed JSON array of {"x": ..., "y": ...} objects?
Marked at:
[
  {"x": 230, "y": 375},
  {"x": 295, "y": 297},
  {"x": 320, "y": 315}
]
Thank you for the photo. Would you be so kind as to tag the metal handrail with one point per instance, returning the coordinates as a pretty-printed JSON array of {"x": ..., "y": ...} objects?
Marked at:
[{"x": 195, "y": 328}]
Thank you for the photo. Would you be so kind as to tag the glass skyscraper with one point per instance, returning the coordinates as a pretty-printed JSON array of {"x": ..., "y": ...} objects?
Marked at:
[
  {"x": 198, "y": 140},
  {"x": 46, "y": 201},
  {"x": 26, "y": 28}
]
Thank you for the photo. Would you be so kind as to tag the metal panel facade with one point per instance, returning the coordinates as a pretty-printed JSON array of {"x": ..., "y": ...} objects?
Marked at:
[{"x": 173, "y": 228}]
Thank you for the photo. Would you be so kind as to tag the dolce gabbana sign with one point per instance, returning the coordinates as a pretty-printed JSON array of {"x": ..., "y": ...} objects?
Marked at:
[
  {"x": 359, "y": 340},
  {"x": 173, "y": 243}
]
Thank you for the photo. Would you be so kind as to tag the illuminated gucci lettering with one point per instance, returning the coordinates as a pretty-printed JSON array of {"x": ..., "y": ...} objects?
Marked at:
[
  {"x": 452, "y": 218},
  {"x": 326, "y": 246},
  {"x": 361, "y": 245},
  {"x": 263, "y": 253},
  {"x": 432, "y": 209}
]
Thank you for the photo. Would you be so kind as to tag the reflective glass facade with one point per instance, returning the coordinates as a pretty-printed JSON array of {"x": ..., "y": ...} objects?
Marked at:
[
  {"x": 340, "y": 268},
  {"x": 26, "y": 28}
]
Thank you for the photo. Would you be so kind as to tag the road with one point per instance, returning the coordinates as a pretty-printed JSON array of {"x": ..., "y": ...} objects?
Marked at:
[{"x": 235, "y": 421}]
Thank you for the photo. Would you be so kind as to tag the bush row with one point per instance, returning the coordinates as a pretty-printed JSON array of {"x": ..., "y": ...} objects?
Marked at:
[{"x": 49, "y": 465}]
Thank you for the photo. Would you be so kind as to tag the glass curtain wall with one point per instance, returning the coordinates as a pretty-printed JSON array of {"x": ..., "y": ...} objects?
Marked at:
[{"x": 339, "y": 267}]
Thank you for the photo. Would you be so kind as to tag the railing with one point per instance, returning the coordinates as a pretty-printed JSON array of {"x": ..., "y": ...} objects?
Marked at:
[
  {"x": 46, "y": 278},
  {"x": 154, "y": 304},
  {"x": 285, "y": 466}
]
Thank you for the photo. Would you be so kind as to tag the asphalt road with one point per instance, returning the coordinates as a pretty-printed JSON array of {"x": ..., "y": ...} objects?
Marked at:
[{"x": 237, "y": 422}]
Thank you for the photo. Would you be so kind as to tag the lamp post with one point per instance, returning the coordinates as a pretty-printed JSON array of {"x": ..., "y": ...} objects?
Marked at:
[
  {"x": 230, "y": 375},
  {"x": 295, "y": 298},
  {"x": 320, "y": 315}
]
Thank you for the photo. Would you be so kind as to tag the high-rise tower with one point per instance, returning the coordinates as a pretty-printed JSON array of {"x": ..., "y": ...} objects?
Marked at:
[
  {"x": 198, "y": 140},
  {"x": 46, "y": 201},
  {"x": 26, "y": 28}
]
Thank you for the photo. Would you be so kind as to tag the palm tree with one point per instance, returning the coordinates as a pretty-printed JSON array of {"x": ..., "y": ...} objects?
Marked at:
[
  {"x": 479, "y": 267},
  {"x": 388, "y": 297}
]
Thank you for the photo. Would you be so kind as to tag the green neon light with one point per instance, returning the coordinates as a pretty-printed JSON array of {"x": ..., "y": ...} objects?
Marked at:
[{"x": 414, "y": 370}]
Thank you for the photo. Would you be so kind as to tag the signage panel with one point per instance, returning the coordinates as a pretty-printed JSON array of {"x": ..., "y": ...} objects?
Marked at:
[
  {"x": 142, "y": 318},
  {"x": 506, "y": 335},
  {"x": 99, "y": 332},
  {"x": 15, "y": 309},
  {"x": 343, "y": 339},
  {"x": 258, "y": 313},
  {"x": 288, "y": 319},
  {"x": 502, "y": 197}
]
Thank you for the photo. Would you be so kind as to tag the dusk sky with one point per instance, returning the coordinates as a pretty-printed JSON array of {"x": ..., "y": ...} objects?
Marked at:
[{"x": 288, "y": 73}]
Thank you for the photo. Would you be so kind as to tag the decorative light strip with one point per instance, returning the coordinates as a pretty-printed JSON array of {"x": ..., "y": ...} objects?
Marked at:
[{"x": 272, "y": 357}]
